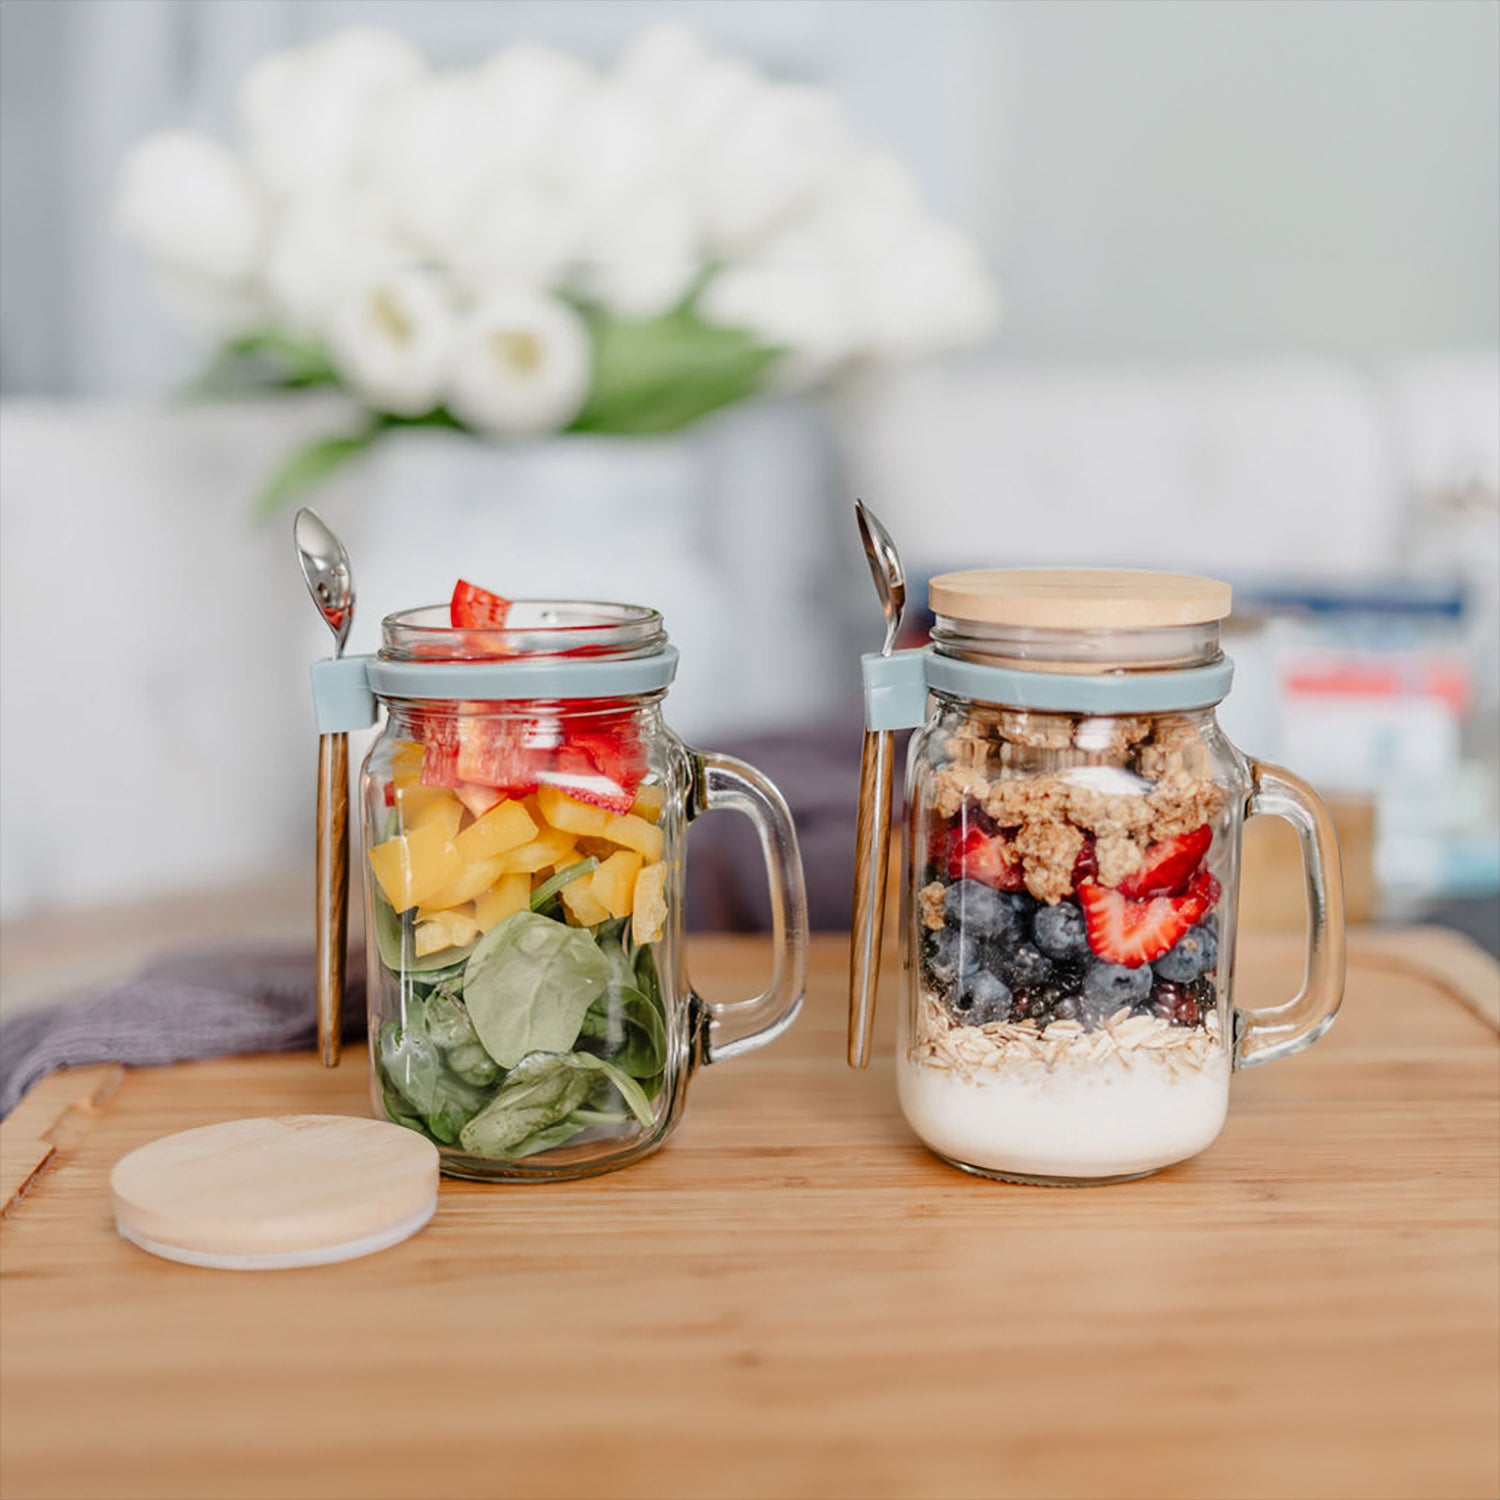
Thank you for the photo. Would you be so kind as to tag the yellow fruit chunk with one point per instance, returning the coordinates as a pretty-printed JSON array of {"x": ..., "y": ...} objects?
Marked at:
[
  {"x": 650, "y": 904},
  {"x": 648, "y": 801},
  {"x": 508, "y": 895},
  {"x": 503, "y": 828},
  {"x": 636, "y": 833},
  {"x": 548, "y": 848},
  {"x": 583, "y": 906},
  {"x": 449, "y": 929},
  {"x": 421, "y": 806},
  {"x": 563, "y": 811},
  {"x": 406, "y": 763},
  {"x": 475, "y": 878},
  {"x": 613, "y": 883},
  {"x": 478, "y": 799},
  {"x": 414, "y": 865}
]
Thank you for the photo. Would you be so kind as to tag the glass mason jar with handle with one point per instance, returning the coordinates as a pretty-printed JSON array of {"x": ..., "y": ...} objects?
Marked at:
[
  {"x": 1074, "y": 819},
  {"x": 525, "y": 811}
]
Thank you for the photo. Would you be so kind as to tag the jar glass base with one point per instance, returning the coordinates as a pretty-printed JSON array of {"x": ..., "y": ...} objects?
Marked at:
[{"x": 1037, "y": 1179}]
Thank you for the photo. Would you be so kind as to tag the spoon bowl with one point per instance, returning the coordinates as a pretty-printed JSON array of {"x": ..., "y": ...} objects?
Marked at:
[
  {"x": 325, "y": 566},
  {"x": 885, "y": 569}
]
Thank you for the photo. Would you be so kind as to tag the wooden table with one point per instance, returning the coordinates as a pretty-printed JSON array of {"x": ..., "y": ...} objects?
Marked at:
[{"x": 795, "y": 1299}]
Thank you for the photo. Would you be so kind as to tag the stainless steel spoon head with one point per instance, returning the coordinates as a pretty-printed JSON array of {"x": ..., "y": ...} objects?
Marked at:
[
  {"x": 885, "y": 569},
  {"x": 325, "y": 566}
]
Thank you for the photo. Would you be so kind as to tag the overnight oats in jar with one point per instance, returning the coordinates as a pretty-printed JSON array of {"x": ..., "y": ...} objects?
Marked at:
[
  {"x": 1069, "y": 1018},
  {"x": 1074, "y": 820}
]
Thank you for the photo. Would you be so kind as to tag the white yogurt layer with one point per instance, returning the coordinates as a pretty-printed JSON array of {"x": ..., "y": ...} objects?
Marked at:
[{"x": 1100, "y": 1117}]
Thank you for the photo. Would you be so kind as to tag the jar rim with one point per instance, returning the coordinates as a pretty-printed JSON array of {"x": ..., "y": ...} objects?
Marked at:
[
  {"x": 534, "y": 628},
  {"x": 1028, "y": 648}
]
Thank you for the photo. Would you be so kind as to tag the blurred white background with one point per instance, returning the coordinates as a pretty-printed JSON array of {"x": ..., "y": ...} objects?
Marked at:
[{"x": 1248, "y": 256}]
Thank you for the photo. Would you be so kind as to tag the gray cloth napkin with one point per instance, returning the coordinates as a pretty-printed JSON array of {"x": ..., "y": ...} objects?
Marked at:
[
  {"x": 209, "y": 1004},
  {"x": 203, "y": 1004}
]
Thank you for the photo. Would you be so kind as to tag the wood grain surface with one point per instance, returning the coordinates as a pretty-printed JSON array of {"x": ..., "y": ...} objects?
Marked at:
[{"x": 793, "y": 1298}]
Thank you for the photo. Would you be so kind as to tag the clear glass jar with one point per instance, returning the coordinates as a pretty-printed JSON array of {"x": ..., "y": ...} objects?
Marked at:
[
  {"x": 1069, "y": 903},
  {"x": 529, "y": 1011}
]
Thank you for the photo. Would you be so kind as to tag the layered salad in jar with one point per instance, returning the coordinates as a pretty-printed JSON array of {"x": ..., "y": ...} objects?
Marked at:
[
  {"x": 518, "y": 898},
  {"x": 1067, "y": 1021}
]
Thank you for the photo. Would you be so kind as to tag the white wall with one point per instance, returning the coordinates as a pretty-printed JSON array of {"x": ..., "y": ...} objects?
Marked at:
[{"x": 1152, "y": 177}]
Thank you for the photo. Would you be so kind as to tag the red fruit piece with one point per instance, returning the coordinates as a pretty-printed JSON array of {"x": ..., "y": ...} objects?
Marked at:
[
  {"x": 1169, "y": 865},
  {"x": 989, "y": 859},
  {"x": 1086, "y": 866},
  {"x": 1205, "y": 888},
  {"x": 1132, "y": 933},
  {"x": 474, "y": 608}
]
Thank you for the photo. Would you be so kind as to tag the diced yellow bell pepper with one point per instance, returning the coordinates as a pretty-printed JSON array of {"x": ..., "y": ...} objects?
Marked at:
[
  {"x": 508, "y": 895},
  {"x": 563, "y": 811},
  {"x": 449, "y": 929},
  {"x": 650, "y": 904},
  {"x": 613, "y": 883},
  {"x": 474, "y": 879},
  {"x": 636, "y": 833},
  {"x": 478, "y": 799},
  {"x": 418, "y": 806},
  {"x": 648, "y": 803},
  {"x": 414, "y": 865},
  {"x": 583, "y": 906},
  {"x": 406, "y": 764},
  {"x": 548, "y": 848},
  {"x": 503, "y": 828}
]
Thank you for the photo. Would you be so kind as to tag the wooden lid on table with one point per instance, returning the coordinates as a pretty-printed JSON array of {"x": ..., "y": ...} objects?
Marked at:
[
  {"x": 262, "y": 1194},
  {"x": 1078, "y": 598}
]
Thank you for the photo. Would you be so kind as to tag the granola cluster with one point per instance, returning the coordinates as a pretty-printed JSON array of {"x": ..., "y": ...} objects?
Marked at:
[
  {"x": 1157, "y": 784},
  {"x": 1127, "y": 1039}
]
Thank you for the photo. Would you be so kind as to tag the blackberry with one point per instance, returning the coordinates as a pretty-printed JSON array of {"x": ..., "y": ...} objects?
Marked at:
[
  {"x": 1059, "y": 931},
  {"x": 1024, "y": 966},
  {"x": 981, "y": 997},
  {"x": 1197, "y": 951},
  {"x": 1174, "y": 1003},
  {"x": 979, "y": 910},
  {"x": 1114, "y": 985}
]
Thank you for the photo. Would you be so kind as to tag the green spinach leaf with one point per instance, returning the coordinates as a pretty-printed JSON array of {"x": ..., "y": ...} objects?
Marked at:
[
  {"x": 396, "y": 951},
  {"x": 528, "y": 985},
  {"x": 629, "y": 1031}
]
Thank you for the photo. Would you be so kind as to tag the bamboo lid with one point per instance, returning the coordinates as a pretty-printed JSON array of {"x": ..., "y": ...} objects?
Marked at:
[
  {"x": 297, "y": 1190},
  {"x": 1078, "y": 598}
]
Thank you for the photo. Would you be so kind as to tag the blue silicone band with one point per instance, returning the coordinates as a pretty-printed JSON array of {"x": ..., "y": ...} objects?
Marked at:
[
  {"x": 896, "y": 688},
  {"x": 346, "y": 690}
]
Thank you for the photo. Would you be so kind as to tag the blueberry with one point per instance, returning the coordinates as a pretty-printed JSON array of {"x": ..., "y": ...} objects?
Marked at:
[
  {"x": 979, "y": 910},
  {"x": 1059, "y": 931},
  {"x": 1196, "y": 951},
  {"x": 950, "y": 952},
  {"x": 1024, "y": 966},
  {"x": 981, "y": 997},
  {"x": 1021, "y": 906},
  {"x": 1114, "y": 985}
]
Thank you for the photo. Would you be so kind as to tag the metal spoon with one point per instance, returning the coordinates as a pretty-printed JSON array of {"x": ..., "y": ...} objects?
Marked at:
[
  {"x": 330, "y": 581},
  {"x": 872, "y": 847}
]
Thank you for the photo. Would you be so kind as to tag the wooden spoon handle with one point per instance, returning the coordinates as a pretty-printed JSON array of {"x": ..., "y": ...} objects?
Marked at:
[
  {"x": 332, "y": 891},
  {"x": 872, "y": 853}
]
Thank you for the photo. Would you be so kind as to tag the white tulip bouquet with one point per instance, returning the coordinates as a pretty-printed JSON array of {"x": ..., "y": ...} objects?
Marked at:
[{"x": 531, "y": 247}]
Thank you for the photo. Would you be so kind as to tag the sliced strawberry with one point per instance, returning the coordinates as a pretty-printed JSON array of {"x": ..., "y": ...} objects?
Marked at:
[
  {"x": 440, "y": 750},
  {"x": 1203, "y": 887},
  {"x": 989, "y": 859},
  {"x": 1086, "y": 866},
  {"x": 474, "y": 608},
  {"x": 1132, "y": 933},
  {"x": 603, "y": 764},
  {"x": 1169, "y": 865}
]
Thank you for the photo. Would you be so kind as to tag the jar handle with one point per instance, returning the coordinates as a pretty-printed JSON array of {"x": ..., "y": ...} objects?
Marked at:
[
  {"x": 738, "y": 1026},
  {"x": 1275, "y": 1031}
]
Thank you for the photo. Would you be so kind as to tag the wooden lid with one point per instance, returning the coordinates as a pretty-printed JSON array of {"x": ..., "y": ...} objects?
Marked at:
[
  {"x": 298, "y": 1190},
  {"x": 1078, "y": 598}
]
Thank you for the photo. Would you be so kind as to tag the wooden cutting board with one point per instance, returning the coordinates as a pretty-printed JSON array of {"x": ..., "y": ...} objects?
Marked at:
[{"x": 795, "y": 1299}]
